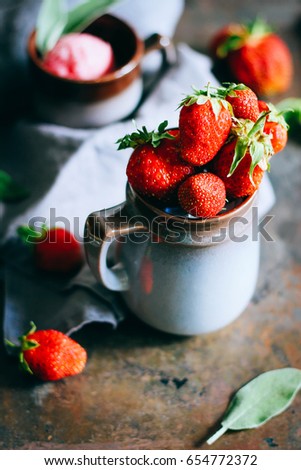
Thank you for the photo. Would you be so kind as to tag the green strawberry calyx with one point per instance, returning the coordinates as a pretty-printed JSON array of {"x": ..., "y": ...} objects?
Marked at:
[
  {"x": 251, "y": 138},
  {"x": 25, "y": 345},
  {"x": 202, "y": 96},
  {"x": 143, "y": 136},
  {"x": 30, "y": 236},
  {"x": 278, "y": 115},
  {"x": 241, "y": 34}
]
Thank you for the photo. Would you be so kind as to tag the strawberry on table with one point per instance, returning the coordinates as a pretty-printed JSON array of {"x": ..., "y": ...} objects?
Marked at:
[
  {"x": 155, "y": 168},
  {"x": 49, "y": 354},
  {"x": 242, "y": 161},
  {"x": 204, "y": 123},
  {"x": 55, "y": 249},
  {"x": 256, "y": 57},
  {"x": 202, "y": 195}
]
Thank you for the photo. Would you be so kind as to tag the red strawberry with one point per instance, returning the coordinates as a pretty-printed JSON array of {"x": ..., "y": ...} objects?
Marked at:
[
  {"x": 55, "y": 249},
  {"x": 50, "y": 354},
  {"x": 202, "y": 195},
  {"x": 244, "y": 101},
  {"x": 239, "y": 183},
  {"x": 155, "y": 168},
  {"x": 256, "y": 57},
  {"x": 204, "y": 123},
  {"x": 275, "y": 126},
  {"x": 242, "y": 161}
]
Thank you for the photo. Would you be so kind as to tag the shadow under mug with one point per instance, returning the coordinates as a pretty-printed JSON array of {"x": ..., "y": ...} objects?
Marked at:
[
  {"x": 82, "y": 103},
  {"x": 180, "y": 275}
]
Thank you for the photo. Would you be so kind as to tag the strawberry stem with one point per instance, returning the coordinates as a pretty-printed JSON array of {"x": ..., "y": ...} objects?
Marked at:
[
  {"x": 251, "y": 138},
  {"x": 143, "y": 136}
]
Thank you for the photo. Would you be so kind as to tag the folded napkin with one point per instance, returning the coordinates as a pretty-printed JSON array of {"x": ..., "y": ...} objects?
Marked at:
[{"x": 72, "y": 173}]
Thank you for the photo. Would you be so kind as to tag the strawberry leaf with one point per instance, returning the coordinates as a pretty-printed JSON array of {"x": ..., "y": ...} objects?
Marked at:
[
  {"x": 143, "y": 136},
  {"x": 259, "y": 124},
  {"x": 258, "y": 28},
  {"x": 231, "y": 43},
  {"x": 29, "y": 236},
  {"x": 240, "y": 151},
  {"x": 256, "y": 152},
  {"x": 10, "y": 191}
]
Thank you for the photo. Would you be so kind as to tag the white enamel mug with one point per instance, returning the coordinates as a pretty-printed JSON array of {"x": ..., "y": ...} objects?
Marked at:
[{"x": 180, "y": 275}]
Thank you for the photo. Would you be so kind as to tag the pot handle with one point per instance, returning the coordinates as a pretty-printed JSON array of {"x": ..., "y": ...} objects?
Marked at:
[{"x": 102, "y": 228}]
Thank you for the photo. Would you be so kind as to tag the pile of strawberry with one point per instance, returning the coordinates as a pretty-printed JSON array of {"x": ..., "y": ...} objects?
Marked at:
[{"x": 221, "y": 149}]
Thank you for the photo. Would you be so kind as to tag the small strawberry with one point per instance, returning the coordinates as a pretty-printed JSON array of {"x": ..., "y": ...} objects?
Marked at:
[
  {"x": 55, "y": 249},
  {"x": 242, "y": 161},
  {"x": 256, "y": 57},
  {"x": 204, "y": 124},
  {"x": 275, "y": 126},
  {"x": 49, "y": 354},
  {"x": 202, "y": 195},
  {"x": 243, "y": 100},
  {"x": 155, "y": 168}
]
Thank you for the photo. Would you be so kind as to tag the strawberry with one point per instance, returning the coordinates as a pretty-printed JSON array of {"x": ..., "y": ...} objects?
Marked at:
[
  {"x": 155, "y": 168},
  {"x": 242, "y": 161},
  {"x": 55, "y": 249},
  {"x": 275, "y": 126},
  {"x": 256, "y": 57},
  {"x": 202, "y": 195},
  {"x": 50, "y": 354},
  {"x": 243, "y": 100},
  {"x": 204, "y": 123}
]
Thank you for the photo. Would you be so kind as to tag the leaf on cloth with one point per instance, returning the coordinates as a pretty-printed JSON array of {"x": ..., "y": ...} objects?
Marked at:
[
  {"x": 85, "y": 13},
  {"x": 260, "y": 400},
  {"x": 51, "y": 22},
  {"x": 9, "y": 190}
]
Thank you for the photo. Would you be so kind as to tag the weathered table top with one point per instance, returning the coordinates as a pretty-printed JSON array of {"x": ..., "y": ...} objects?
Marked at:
[{"x": 143, "y": 389}]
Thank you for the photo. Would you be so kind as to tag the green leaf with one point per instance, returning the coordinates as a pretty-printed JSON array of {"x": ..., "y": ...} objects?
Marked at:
[
  {"x": 261, "y": 399},
  {"x": 85, "y": 13},
  {"x": 11, "y": 191},
  {"x": 232, "y": 43},
  {"x": 259, "y": 124},
  {"x": 240, "y": 151},
  {"x": 290, "y": 110},
  {"x": 257, "y": 154},
  {"x": 51, "y": 22},
  {"x": 258, "y": 27},
  {"x": 142, "y": 136},
  {"x": 29, "y": 236}
]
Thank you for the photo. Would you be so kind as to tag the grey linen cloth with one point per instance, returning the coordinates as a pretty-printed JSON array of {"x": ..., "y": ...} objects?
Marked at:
[{"x": 70, "y": 174}]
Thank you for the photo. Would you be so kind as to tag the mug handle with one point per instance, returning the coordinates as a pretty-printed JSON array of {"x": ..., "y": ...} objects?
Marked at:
[
  {"x": 101, "y": 229},
  {"x": 157, "y": 42}
]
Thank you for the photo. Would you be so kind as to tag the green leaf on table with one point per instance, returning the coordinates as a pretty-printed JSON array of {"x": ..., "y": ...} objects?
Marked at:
[
  {"x": 85, "y": 13},
  {"x": 260, "y": 400},
  {"x": 11, "y": 191},
  {"x": 51, "y": 22}
]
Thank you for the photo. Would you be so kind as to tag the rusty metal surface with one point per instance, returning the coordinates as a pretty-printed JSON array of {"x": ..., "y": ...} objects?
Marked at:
[{"x": 143, "y": 389}]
